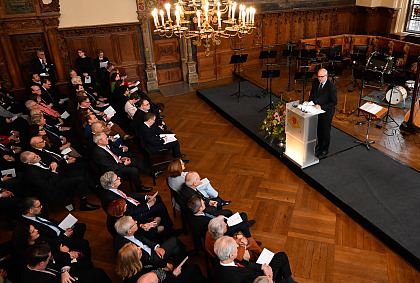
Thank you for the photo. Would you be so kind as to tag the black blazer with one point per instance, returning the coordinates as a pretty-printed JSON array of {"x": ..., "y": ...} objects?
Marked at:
[
  {"x": 108, "y": 196},
  {"x": 104, "y": 160},
  {"x": 46, "y": 182},
  {"x": 146, "y": 259},
  {"x": 326, "y": 97},
  {"x": 37, "y": 67},
  {"x": 199, "y": 223},
  {"x": 233, "y": 274},
  {"x": 151, "y": 137}
]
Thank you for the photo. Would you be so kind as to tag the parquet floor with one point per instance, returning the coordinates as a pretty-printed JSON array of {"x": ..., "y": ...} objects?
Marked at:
[{"x": 323, "y": 243}]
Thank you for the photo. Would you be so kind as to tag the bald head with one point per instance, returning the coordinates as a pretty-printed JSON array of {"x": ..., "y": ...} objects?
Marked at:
[
  {"x": 37, "y": 142},
  {"x": 192, "y": 179},
  {"x": 322, "y": 75}
]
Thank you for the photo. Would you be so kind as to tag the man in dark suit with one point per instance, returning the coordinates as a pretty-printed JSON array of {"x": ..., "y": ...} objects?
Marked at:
[
  {"x": 153, "y": 254},
  {"x": 189, "y": 189},
  {"x": 324, "y": 96},
  {"x": 140, "y": 207},
  {"x": 43, "y": 66},
  {"x": 125, "y": 167},
  {"x": 152, "y": 139},
  {"x": 230, "y": 270},
  {"x": 51, "y": 184},
  {"x": 50, "y": 232},
  {"x": 199, "y": 220},
  {"x": 42, "y": 269}
]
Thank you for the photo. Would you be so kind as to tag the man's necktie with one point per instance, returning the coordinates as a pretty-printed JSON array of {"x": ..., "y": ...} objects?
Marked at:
[
  {"x": 113, "y": 155},
  {"x": 209, "y": 215},
  {"x": 128, "y": 198}
]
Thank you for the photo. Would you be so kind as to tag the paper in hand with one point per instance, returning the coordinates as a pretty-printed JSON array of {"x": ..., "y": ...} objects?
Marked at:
[
  {"x": 65, "y": 115},
  {"x": 265, "y": 257},
  {"x": 234, "y": 219},
  {"x": 68, "y": 222},
  {"x": 11, "y": 172}
]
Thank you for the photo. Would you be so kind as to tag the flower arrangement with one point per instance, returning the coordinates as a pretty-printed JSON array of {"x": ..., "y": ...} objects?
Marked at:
[{"x": 273, "y": 125}]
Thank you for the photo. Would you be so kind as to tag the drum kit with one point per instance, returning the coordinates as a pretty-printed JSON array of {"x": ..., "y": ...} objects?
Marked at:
[{"x": 383, "y": 65}]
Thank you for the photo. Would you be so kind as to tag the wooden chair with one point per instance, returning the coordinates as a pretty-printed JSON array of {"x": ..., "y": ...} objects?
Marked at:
[
  {"x": 156, "y": 161},
  {"x": 175, "y": 201}
]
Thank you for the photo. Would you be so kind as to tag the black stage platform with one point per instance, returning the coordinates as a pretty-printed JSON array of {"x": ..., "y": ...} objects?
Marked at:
[{"x": 377, "y": 191}]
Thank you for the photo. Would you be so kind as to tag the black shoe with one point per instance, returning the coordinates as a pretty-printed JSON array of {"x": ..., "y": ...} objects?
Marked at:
[
  {"x": 158, "y": 173},
  {"x": 323, "y": 154},
  {"x": 161, "y": 117},
  {"x": 143, "y": 189},
  {"x": 185, "y": 161},
  {"x": 317, "y": 153},
  {"x": 251, "y": 223},
  {"x": 223, "y": 203},
  {"x": 183, "y": 155},
  {"x": 259, "y": 243},
  {"x": 89, "y": 207}
]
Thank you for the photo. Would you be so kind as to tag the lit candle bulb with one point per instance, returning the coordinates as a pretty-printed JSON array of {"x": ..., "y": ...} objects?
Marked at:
[
  {"x": 247, "y": 15},
  {"x": 177, "y": 17},
  {"x": 161, "y": 15},
  {"x": 218, "y": 6},
  {"x": 168, "y": 10},
  {"x": 206, "y": 11},
  {"x": 253, "y": 16},
  {"x": 154, "y": 14},
  {"x": 233, "y": 11},
  {"x": 230, "y": 11},
  {"x": 219, "y": 14},
  {"x": 198, "y": 18}
]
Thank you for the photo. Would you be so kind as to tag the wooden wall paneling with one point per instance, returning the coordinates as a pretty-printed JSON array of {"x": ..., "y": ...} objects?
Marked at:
[
  {"x": 344, "y": 19},
  {"x": 224, "y": 69},
  {"x": 102, "y": 42},
  {"x": 127, "y": 52},
  {"x": 285, "y": 27},
  {"x": 207, "y": 67},
  {"x": 298, "y": 25},
  {"x": 311, "y": 23},
  {"x": 253, "y": 58},
  {"x": 167, "y": 59},
  {"x": 270, "y": 29},
  {"x": 325, "y": 23}
]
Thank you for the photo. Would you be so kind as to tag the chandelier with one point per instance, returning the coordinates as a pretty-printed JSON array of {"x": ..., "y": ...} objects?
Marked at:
[{"x": 214, "y": 19}]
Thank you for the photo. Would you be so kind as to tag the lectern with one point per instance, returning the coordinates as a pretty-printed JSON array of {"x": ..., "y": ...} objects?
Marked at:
[{"x": 301, "y": 125}]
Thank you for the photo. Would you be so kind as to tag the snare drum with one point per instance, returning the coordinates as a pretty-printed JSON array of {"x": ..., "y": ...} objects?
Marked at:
[
  {"x": 410, "y": 84},
  {"x": 398, "y": 94}
]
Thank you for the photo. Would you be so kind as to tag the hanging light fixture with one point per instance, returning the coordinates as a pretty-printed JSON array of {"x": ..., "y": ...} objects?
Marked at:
[{"x": 214, "y": 19}]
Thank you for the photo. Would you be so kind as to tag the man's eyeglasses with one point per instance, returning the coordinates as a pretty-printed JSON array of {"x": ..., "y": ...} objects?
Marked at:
[{"x": 321, "y": 76}]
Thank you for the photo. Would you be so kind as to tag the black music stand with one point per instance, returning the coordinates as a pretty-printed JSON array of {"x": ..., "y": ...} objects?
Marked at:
[
  {"x": 304, "y": 76},
  {"x": 238, "y": 60},
  {"x": 267, "y": 54},
  {"x": 391, "y": 80},
  {"x": 270, "y": 75},
  {"x": 289, "y": 53},
  {"x": 355, "y": 59}
]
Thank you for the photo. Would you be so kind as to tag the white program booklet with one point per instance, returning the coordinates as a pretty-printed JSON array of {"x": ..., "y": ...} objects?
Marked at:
[
  {"x": 66, "y": 150},
  {"x": 103, "y": 64},
  {"x": 134, "y": 89},
  {"x": 234, "y": 219},
  {"x": 11, "y": 172},
  {"x": 65, "y": 115},
  {"x": 68, "y": 222},
  {"x": 170, "y": 138},
  {"x": 204, "y": 182},
  {"x": 265, "y": 257},
  {"x": 88, "y": 80},
  {"x": 110, "y": 112}
]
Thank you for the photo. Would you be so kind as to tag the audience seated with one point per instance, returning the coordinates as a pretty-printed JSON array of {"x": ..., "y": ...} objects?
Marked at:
[
  {"x": 140, "y": 207},
  {"x": 51, "y": 185},
  {"x": 199, "y": 220},
  {"x": 117, "y": 209},
  {"x": 48, "y": 229},
  {"x": 125, "y": 167},
  {"x": 231, "y": 270},
  {"x": 248, "y": 248},
  {"x": 44, "y": 266},
  {"x": 189, "y": 189},
  {"x": 152, "y": 253}
]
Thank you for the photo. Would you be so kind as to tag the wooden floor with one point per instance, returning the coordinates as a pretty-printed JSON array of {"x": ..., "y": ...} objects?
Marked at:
[{"x": 323, "y": 244}]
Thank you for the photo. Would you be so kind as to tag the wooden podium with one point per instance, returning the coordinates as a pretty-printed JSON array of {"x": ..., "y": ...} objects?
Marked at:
[
  {"x": 301, "y": 126},
  {"x": 371, "y": 111}
]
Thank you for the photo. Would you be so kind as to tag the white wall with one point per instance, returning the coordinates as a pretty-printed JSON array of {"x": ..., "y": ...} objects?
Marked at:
[{"x": 97, "y": 12}]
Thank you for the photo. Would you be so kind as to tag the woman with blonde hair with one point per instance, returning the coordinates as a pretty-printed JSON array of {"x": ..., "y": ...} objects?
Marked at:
[
  {"x": 129, "y": 266},
  {"x": 177, "y": 176}
]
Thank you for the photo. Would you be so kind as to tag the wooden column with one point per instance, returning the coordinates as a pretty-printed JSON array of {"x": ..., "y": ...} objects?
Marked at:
[
  {"x": 192, "y": 76},
  {"x": 12, "y": 66}
]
